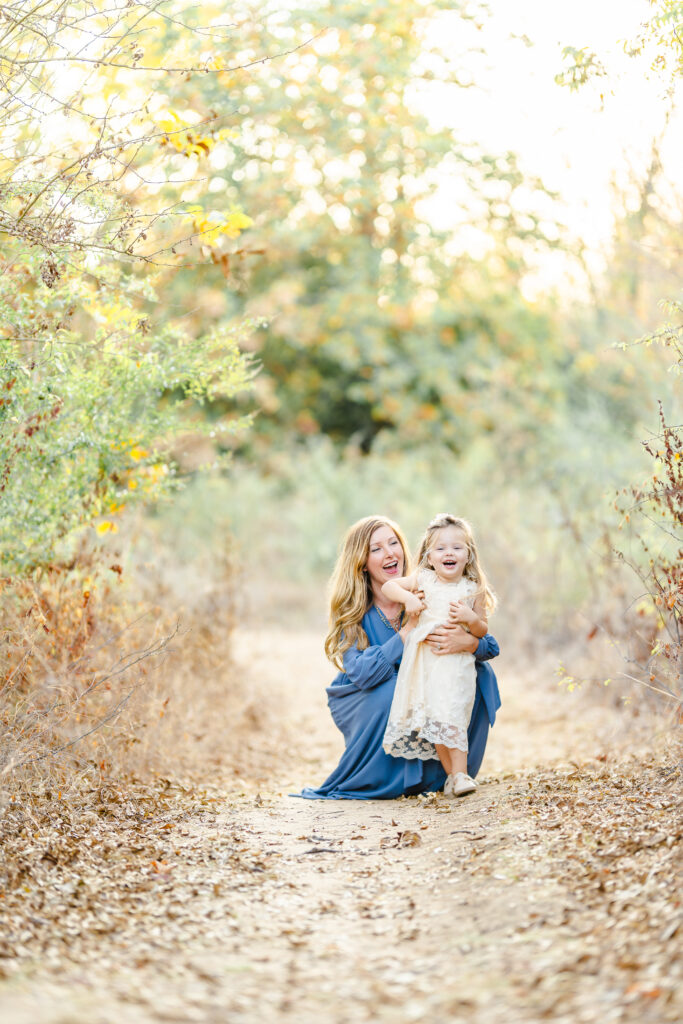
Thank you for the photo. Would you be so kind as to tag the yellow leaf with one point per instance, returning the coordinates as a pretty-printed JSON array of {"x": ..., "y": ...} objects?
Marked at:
[
  {"x": 106, "y": 527},
  {"x": 169, "y": 121},
  {"x": 214, "y": 224},
  {"x": 235, "y": 223}
]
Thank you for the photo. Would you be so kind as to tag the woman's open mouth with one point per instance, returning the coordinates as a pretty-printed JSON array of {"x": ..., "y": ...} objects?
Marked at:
[{"x": 391, "y": 568}]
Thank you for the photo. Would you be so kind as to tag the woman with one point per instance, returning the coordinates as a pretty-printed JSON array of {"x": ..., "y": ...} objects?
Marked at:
[{"x": 366, "y": 641}]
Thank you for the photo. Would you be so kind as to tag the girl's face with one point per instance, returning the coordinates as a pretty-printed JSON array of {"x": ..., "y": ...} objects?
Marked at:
[
  {"x": 385, "y": 557},
  {"x": 449, "y": 553}
]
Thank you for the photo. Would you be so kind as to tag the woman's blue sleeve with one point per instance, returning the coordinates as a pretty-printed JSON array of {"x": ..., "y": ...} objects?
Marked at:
[
  {"x": 488, "y": 648},
  {"x": 375, "y": 664}
]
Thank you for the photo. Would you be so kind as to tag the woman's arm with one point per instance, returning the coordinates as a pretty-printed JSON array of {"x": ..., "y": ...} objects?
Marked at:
[
  {"x": 375, "y": 664},
  {"x": 487, "y": 648}
]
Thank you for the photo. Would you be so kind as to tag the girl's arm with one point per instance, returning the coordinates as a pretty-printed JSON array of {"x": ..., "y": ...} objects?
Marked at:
[
  {"x": 401, "y": 590},
  {"x": 473, "y": 619}
]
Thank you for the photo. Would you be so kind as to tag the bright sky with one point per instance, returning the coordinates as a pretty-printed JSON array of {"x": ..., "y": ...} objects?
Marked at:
[{"x": 562, "y": 136}]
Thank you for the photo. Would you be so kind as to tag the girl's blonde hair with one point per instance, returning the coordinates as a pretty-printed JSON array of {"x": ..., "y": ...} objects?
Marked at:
[
  {"x": 473, "y": 570},
  {"x": 350, "y": 589}
]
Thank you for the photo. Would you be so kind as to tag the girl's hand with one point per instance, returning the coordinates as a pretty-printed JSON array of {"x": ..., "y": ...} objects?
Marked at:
[
  {"x": 461, "y": 612},
  {"x": 413, "y": 604},
  {"x": 451, "y": 640}
]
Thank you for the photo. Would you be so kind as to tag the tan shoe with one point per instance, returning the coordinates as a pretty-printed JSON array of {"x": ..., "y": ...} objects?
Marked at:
[
  {"x": 462, "y": 784},
  {"x": 448, "y": 786}
]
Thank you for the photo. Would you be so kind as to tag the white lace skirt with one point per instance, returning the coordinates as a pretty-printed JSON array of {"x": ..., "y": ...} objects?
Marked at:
[{"x": 432, "y": 702}]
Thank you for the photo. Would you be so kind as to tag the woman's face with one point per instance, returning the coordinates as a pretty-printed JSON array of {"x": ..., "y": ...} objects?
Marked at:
[{"x": 385, "y": 557}]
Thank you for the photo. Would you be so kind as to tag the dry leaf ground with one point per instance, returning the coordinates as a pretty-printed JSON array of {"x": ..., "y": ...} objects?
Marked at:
[{"x": 553, "y": 893}]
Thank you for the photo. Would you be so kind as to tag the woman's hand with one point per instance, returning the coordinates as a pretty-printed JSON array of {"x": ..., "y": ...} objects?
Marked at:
[{"x": 451, "y": 640}]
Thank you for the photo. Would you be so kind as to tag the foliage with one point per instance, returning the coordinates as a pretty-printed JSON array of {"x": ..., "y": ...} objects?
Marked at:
[
  {"x": 98, "y": 379},
  {"x": 654, "y": 513},
  {"x": 94, "y": 396},
  {"x": 663, "y": 31},
  {"x": 583, "y": 65},
  {"x": 86, "y": 142},
  {"x": 381, "y": 323},
  {"x": 660, "y": 39}
]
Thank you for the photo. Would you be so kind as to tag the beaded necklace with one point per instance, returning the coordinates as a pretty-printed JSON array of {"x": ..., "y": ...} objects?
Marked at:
[{"x": 394, "y": 624}]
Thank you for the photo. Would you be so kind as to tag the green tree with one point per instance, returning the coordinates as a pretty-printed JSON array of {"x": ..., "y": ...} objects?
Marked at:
[{"x": 380, "y": 323}]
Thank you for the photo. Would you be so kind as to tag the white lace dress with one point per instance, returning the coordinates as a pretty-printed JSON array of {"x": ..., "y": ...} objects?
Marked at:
[{"x": 434, "y": 693}]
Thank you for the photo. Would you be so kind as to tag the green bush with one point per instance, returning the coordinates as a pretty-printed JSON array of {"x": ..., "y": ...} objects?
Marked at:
[{"x": 96, "y": 384}]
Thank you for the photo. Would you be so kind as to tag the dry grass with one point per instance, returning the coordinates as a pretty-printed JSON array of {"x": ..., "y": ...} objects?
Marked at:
[{"x": 111, "y": 674}]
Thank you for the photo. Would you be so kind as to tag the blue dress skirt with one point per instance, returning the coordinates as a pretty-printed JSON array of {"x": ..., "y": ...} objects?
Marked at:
[{"x": 360, "y": 699}]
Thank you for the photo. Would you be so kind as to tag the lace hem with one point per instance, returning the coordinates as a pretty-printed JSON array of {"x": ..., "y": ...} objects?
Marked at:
[{"x": 406, "y": 741}]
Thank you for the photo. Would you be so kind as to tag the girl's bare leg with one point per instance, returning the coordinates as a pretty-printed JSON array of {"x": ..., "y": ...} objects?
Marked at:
[
  {"x": 445, "y": 758},
  {"x": 458, "y": 760}
]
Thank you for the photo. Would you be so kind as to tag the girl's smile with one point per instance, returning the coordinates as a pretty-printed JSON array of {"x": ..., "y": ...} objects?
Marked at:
[{"x": 449, "y": 555}]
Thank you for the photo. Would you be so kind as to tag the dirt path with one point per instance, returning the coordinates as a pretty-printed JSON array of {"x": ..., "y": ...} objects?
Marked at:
[{"x": 550, "y": 894}]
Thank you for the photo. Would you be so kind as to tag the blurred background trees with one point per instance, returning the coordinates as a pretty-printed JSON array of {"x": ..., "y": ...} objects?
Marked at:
[
  {"x": 378, "y": 324},
  {"x": 382, "y": 324},
  {"x": 647, "y": 267}
]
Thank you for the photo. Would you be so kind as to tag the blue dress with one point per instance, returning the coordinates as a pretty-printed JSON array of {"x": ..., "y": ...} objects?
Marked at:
[{"x": 359, "y": 700}]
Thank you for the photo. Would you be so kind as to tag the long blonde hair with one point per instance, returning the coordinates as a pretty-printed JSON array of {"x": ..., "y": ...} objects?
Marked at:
[
  {"x": 350, "y": 588},
  {"x": 473, "y": 570}
]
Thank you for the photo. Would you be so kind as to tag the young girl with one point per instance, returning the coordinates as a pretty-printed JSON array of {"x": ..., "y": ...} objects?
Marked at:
[{"x": 435, "y": 693}]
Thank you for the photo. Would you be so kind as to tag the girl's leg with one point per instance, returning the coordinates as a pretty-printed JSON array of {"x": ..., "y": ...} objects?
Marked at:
[
  {"x": 461, "y": 784},
  {"x": 445, "y": 757}
]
